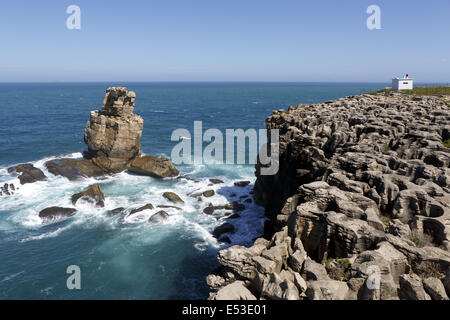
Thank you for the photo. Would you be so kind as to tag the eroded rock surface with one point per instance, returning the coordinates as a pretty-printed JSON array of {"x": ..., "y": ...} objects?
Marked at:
[
  {"x": 113, "y": 133},
  {"x": 363, "y": 188}
]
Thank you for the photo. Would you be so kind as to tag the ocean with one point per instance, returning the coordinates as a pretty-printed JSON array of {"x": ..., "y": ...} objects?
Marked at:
[{"x": 126, "y": 257}]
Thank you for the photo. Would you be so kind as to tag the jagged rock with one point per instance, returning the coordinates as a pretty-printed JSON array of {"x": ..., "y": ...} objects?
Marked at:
[
  {"x": 276, "y": 288},
  {"x": 435, "y": 288},
  {"x": 220, "y": 277},
  {"x": 300, "y": 283},
  {"x": 278, "y": 253},
  {"x": 153, "y": 166},
  {"x": 234, "y": 291},
  {"x": 55, "y": 213},
  {"x": 239, "y": 260},
  {"x": 264, "y": 265},
  {"x": 313, "y": 271},
  {"x": 397, "y": 228},
  {"x": 113, "y": 134},
  {"x": 411, "y": 288},
  {"x": 159, "y": 217},
  {"x": 148, "y": 206},
  {"x": 296, "y": 260},
  {"x": 172, "y": 197},
  {"x": 92, "y": 194},
  {"x": 327, "y": 290},
  {"x": 28, "y": 173},
  {"x": 215, "y": 181},
  {"x": 224, "y": 228},
  {"x": 73, "y": 169}
]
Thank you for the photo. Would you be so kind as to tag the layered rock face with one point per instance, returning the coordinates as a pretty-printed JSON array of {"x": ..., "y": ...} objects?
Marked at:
[
  {"x": 360, "y": 206},
  {"x": 113, "y": 134}
]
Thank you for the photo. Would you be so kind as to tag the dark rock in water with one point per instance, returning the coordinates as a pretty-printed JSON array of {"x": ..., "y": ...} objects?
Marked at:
[
  {"x": 208, "y": 193},
  {"x": 28, "y": 173},
  {"x": 229, "y": 206},
  {"x": 248, "y": 200},
  {"x": 243, "y": 197},
  {"x": 113, "y": 134},
  {"x": 209, "y": 210},
  {"x": 234, "y": 216},
  {"x": 94, "y": 193},
  {"x": 173, "y": 197},
  {"x": 225, "y": 239},
  {"x": 224, "y": 228},
  {"x": 235, "y": 206},
  {"x": 241, "y": 183},
  {"x": 159, "y": 217},
  {"x": 165, "y": 206},
  {"x": 233, "y": 195},
  {"x": 74, "y": 169},
  {"x": 116, "y": 211},
  {"x": 56, "y": 213},
  {"x": 153, "y": 166},
  {"x": 215, "y": 181},
  {"x": 148, "y": 206},
  {"x": 7, "y": 189}
]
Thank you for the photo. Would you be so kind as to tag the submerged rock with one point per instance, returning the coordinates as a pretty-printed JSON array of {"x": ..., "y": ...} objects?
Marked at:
[
  {"x": 113, "y": 134},
  {"x": 153, "y": 166},
  {"x": 159, "y": 217},
  {"x": 215, "y": 181},
  {"x": 56, "y": 213},
  {"x": 28, "y": 173},
  {"x": 173, "y": 197}
]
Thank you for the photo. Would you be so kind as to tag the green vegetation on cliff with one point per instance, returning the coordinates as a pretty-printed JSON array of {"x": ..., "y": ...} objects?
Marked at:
[{"x": 421, "y": 91}]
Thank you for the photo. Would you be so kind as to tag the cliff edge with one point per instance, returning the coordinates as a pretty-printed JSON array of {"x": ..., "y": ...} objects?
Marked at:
[{"x": 359, "y": 209}]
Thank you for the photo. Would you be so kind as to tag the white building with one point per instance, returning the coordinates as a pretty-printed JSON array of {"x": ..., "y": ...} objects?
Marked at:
[{"x": 404, "y": 83}]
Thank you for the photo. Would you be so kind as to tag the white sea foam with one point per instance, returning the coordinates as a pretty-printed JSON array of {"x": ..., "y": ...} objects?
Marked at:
[{"x": 132, "y": 191}]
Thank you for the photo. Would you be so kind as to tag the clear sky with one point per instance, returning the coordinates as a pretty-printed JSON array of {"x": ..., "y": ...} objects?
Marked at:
[{"x": 224, "y": 40}]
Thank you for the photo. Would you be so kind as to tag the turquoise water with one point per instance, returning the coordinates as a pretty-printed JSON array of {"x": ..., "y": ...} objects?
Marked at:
[{"x": 126, "y": 257}]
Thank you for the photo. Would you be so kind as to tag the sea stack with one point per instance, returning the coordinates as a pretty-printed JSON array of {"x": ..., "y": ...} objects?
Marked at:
[{"x": 113, "y": 134}]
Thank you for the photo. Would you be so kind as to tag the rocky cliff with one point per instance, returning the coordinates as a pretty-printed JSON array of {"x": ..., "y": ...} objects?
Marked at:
[{"x": 359, "y": 209}]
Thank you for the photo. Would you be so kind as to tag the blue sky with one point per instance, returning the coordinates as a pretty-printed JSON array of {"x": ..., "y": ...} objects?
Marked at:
[{"x": 224, "y": 40}]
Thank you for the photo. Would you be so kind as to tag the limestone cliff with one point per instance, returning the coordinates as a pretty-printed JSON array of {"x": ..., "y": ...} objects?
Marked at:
[
  {"x": 113, "y": 134},
  {"x": 362, "y": 195}
]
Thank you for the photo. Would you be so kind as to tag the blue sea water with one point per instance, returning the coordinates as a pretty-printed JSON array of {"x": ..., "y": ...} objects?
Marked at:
[{"x": 127, "y": 257}]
